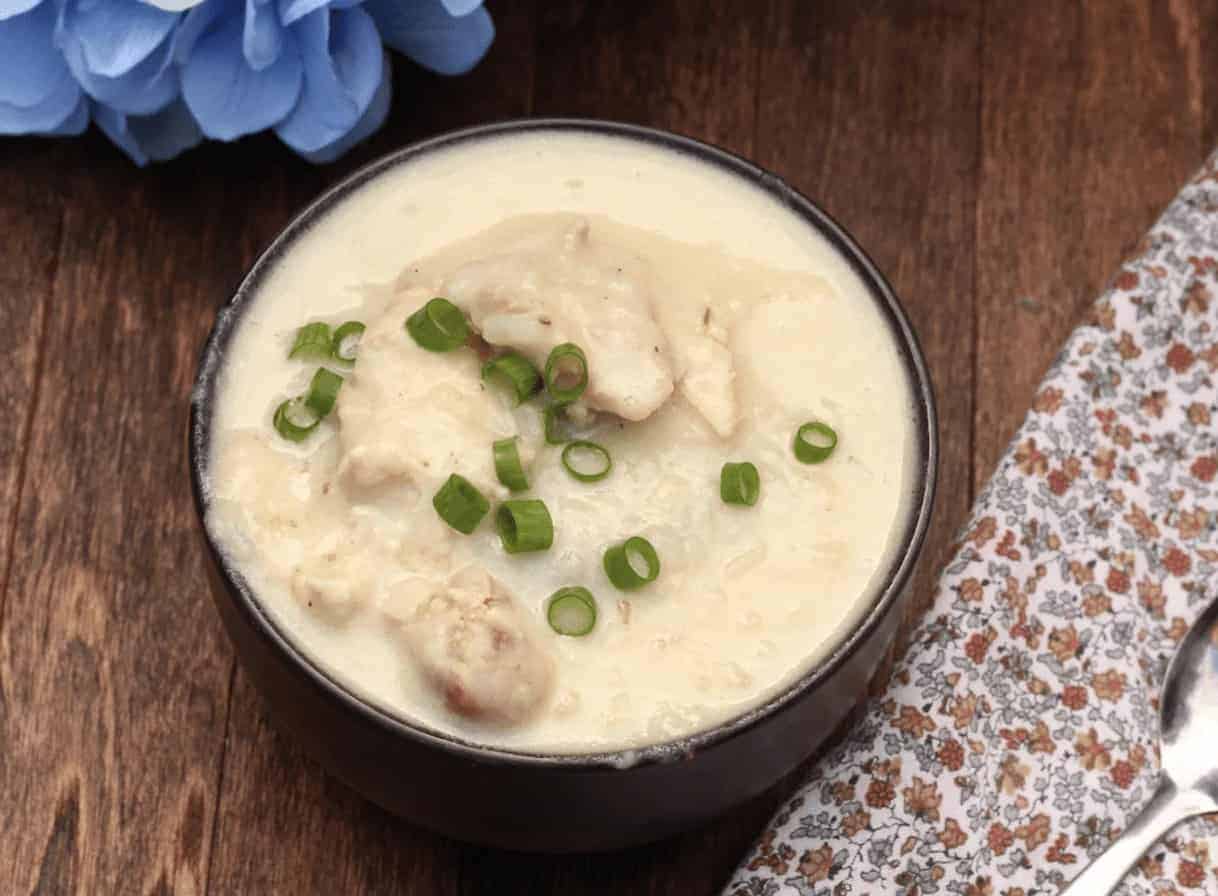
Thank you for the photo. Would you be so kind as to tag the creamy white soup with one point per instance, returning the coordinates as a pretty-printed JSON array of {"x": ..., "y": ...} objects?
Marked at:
[{"x": 713, "y": 322}]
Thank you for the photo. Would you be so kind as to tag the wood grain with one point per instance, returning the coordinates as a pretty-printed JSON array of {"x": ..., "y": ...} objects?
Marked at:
[
  {"x": 1082, "y": 147},
  {"x": 689, "y": 66},
  {"x": 31, "y": 219},
  {"x": 114, "y": 671},
  {"x": 997, "y": 160}
]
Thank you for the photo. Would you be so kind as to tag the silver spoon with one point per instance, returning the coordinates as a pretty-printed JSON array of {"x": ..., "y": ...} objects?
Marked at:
[{"x": 1188, "y": 786}]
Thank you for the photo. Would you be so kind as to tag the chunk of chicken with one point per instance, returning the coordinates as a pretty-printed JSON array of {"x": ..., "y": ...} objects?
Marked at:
[
  {"x": 332, "y": 583},
  {"x": 471, "y": 643},
  {"x": 555, "y": 282},
  {"x": 706, "y": 372},
  {"x": 411, "y": 414}
]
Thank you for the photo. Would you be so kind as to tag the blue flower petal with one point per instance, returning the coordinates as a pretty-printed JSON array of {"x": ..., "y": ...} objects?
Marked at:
[
  {"x": 52, "y": 116},
  {"x": 29, "y": 63},
  {"x": 26, "y": 48},
  {"x": 460, "y": 8},
  {"x": 373, "y": 118},
  {"x": 424, "y": 31},
  {"x": 262, "y": 38},
  {"x": 148, "y": 87},
  {"x": 195, "y": 24},
  {"x": 151, "y": 138},
  {"x": 291, "y": 11},
  {"x": 75, "y": 123},
  {"x": 116, "y": 35},
  {"x": 344, "y": 66},
  {"x": 10, "y": 8},
  {"x": 228, "y": 98}
]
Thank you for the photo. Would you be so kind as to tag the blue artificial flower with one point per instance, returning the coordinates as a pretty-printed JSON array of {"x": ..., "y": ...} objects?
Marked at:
[{"x": 159, "y": 76}]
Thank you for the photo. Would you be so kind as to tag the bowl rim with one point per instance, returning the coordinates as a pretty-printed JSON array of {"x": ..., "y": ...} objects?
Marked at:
[{"x": 901, "y": 566}]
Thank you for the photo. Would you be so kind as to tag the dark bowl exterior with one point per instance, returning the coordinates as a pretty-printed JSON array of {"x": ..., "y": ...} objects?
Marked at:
[
  {"x": 538, "y": 807},
  {"x": 561, "y": 803}
]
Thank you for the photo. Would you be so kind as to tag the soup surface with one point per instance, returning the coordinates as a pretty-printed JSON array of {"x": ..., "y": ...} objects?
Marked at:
[{"x": 714, "y": 322}]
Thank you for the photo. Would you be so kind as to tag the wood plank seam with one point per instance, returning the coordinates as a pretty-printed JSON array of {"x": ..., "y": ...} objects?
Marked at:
[
  {"x": 975, "y": 325},
  {"x": 214, "y": 835}
]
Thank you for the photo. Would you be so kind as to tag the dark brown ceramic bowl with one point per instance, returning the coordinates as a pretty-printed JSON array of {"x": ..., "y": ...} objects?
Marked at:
[{"x": 559, "y": 803}]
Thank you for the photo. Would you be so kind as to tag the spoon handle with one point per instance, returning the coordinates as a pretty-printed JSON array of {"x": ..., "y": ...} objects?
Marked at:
[{"x": 1168, "y": 807}]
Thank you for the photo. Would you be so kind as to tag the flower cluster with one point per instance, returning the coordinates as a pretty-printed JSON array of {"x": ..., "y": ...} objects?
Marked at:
[{"x": 159, "y": 76}]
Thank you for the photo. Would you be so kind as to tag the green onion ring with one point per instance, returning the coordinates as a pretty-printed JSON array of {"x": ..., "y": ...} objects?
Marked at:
[
  {"x": 524, "y": 525},
  {"x": 739, "y": 484},
  {"x": 596, "y": 476},
  {"x": 323, "y": 391},
  {"x": 516, "y": 371},
  {"x": 621, "y": 571},
  {"x": 552, "y": 420},
  {"x": 507, "y": 464},
  {"x": 289, "y": 428},
  {"x": 814, "y": 453},
  {"x": 439, "y": 326},
  {"x": 559, "y": 358},
  {"x": 312, "y": 342},
  {"x": 351, "y": 330},
  {"x": 571, "y": 611},
  {"x": 460, "y": 504}
]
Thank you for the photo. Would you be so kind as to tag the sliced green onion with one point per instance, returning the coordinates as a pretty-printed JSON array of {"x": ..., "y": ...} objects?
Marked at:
[
  {"x": 605, "y": 463},
  {"x": 439, "y": 326},
  {"x": 345, "y": 343},
  {"x": 323, "y": 390},
  {"x": 571, "y": 611},
  {"x": 312, "y": 341},
  {"x": 516, "y": 371},
  {"x": 507, "y": 465},
  {"x": 814, "y": 442},
  {"x": 554, "y": 420},
  {"x": 566, "y": 373},
  {"x": 739, "y": 484},
  {"x": 524, "y": 525},
  {"x": 460, "y": 504},
  {"x": 297, "y": 417},
  {"x": 294, "y": 421},
  {"x": 624, "y": 561}
]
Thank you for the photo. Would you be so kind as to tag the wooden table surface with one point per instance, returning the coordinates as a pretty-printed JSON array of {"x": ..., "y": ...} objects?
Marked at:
[{"x": 996, "y": 158}]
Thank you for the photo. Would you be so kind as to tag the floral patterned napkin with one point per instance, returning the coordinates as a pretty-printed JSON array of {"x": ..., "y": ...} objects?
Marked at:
[{"x": 1019, "y": 734}]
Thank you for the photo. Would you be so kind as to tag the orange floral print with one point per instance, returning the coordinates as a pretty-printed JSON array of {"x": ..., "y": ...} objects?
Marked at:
[
  {"x": 952, "y": 836},
  {"x": 1180, "y": 358},
  {"x": 1030, "y": 459},
  {"x": 922, "y": 799},
  {"x": 1150, "y": 595},
  {"x": 1109, "y": 685},
  {"x": 880, "y": 793},
  {"x": 1074, "y": 697},
  {"x": 855, "y": 822},
  {"x": 1204, "y": 468},
  {"x": 1092, "y": 751},
  {"x": 814, "y": 864},
  {"x": 1190, "y": 874},
  {"x": 1035, "y": 832},
  {"x": 1176, "y": 562},
  {"x": 951, "y": 754},
  {"x": 1064, "y": 643},
  {"x": 1000, "y": 838},
  {"x": 1048, "y": 400}
]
